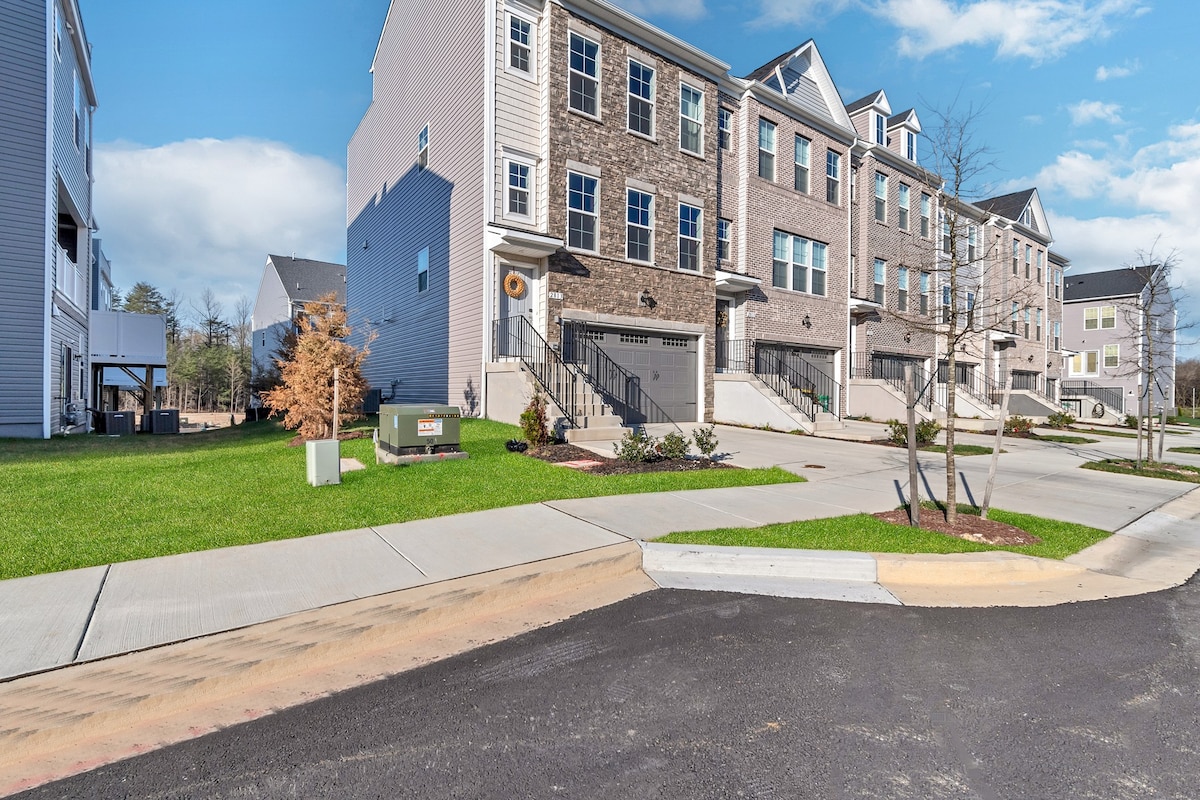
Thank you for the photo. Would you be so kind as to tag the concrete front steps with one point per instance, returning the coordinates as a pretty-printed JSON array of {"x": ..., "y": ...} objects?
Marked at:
[
  {"x": 606, "y": 427},
  {"x": 743, "y": 399}
]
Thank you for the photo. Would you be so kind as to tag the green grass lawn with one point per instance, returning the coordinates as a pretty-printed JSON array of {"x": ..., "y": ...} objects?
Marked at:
[
  {"x": 1105, "y": 432},
  {"x": 1158, "y": 469},
  {"x": 86, "y": 500},
  {"x": 961, "y": 449},
  {"x": 864, "y": 533},
  {"x": 1188, "y": 450}
]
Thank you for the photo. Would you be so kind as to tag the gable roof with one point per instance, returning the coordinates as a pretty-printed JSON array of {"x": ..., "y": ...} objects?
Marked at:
[
  {"x": 874, "y": 99},
  {"x": 305, "y": 279},
  {"x": 1124, "y": 282},
  {"x": 908, "y": 118},
  {"x": 801, "y": 77},
  {"x": 1009, "y": 206}
]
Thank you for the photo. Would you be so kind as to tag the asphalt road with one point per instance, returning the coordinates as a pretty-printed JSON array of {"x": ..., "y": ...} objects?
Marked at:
[{"x": 679, "y": 694}]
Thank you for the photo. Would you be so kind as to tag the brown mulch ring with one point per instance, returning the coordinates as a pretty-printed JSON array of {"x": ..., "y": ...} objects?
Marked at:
[
  {"x": 968, "y": 526},
  {"x": 342, "y": 436},
  {"x": 561, "y": 453}
]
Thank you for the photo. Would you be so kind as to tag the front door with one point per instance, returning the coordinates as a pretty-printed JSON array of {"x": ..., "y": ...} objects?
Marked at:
[{"x": 516, "y": 310}]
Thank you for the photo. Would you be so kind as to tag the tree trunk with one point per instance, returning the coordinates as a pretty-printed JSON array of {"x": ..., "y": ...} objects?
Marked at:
[
  {"x": 991, "y": 481},
  {"x": 914, "y": 492},
  {"x": 951, "y": 480}
]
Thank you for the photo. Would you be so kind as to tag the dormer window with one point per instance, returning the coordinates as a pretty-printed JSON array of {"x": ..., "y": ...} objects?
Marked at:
[
  {"x": 880, "y": 133},
  {"x": 1027, "y": 218},
  {"x": 910, "y": 145}
]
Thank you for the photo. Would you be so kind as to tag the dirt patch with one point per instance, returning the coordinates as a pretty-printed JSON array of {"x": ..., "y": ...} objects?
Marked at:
[
  {"x": 968, "y": 526},
  {"x": 560, "y": 453}
]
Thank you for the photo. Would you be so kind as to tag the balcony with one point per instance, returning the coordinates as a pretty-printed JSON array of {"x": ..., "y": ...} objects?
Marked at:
[{"x": 71, "y": 281}]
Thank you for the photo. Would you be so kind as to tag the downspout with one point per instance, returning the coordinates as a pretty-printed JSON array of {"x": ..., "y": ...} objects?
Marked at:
[
  {"x": 489, "y": 188},
  {"x": 50, "y": 248},
  {"x": 846, "y": 372}
]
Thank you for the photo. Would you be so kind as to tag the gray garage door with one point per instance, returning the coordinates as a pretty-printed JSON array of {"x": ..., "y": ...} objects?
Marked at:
[{"x": 664, "y": 369}]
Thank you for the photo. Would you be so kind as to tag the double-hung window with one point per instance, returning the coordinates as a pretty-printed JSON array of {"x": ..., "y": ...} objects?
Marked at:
[
  {"x": 926, "y": 202},
  {"x": 833, "y": 177},
  {"x": 1016, "y": 314},
  {"x": 1027, "y": 319},
  {"x": 902, "y": 289},
  {"x": 1028, "y": 261},
  {"x": 1016, "y": 255},
  {"x": 910, "y": 145},
  {"x": 584, "y": 71},
  {"x": 880, "y": 280},
  {"x": 519, "y": 45},
  {"x": 799, "y": 264},
  {"x": 581, "y": 211},
  {"x": 880, "y": 130},
  {"x": 1040, "y": 255},
  {"x": 802, "y": 150},
  {"x": 723, "y": 239},
  {"x": 423, "y": 148},
  {"x": 766, "y": 149},
  {"x": 947, "y": 305},
  {"x": 972, "y": 243},
  {"x": 945, "y": 233},
  {"x": 689, "y": 237},
  {"x": 1057, "y": 283},
  {"x": 641, "y": 98},
  {"x": 1112, "y": 353},
  {"x": 903, "y": 206},
  {"x": 1038, "y": 326},
  {"x": 691, "y": 120},
  {"x": 1099, "y": 317},
  {"x": 639, "y": 228},
  {"x": 724, "y": 128},
  {"x": 924, "y": 292},
  {"x": 1057, "y": 335},
  {"x": 518, "y": 188},
  {"x": 881, "y": 188}
]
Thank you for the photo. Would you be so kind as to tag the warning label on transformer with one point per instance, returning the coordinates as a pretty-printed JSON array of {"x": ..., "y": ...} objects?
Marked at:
[{"x": 429, "y": 427}]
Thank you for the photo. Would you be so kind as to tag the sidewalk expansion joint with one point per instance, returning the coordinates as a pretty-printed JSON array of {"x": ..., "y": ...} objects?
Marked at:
[
  {"x": 87, "y": 625},
  {"x": 392, "y": 547},
  {"x": 593, "y": 523}
]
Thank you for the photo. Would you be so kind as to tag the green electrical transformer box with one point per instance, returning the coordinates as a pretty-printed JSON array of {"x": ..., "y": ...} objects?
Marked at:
[{"x": 419, "y": 433}]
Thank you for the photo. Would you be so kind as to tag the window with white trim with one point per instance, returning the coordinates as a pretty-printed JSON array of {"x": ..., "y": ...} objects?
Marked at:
[
  {"x": 880, "y": 281},
  {"x": 1057, "y": 283},
  {"x": 802, "y": 148},
  {"x": 880, "y": 130},
  {"x": 1040, "y": 255},
  {"x": 1038, "y": 325},
  {"x": 833, "y": 177},
  {"x": 584, "y": 71},
  {"x": 1016, "y": 317},
  {"x": 881, "y": 183},
  {"x": 581, "y": 211},
  {"x": 902, "y": 289},
  {"x": 1112, "y": 353},
  {"x": 926, "y": 202},
  {"x": 639, "y": 228},
  {"x": 423, "y": 148},
  {"x": 518, "y": 182},
  {"x": 924, "y": 292},
  {"x": 641, "y": 98},
  {"x": 689, "y": 237},
  {"x": 910, "y": 145},
  {"x": 799, "y": 264},
  {"x": 766, "y": 149},
  {"x": 1085, "y": 363},
  {"x": 520, "y": 47},
  {"x": 947, "y": 307},
  {"x": 724, "y": 128},
  {"x": 972, "y": 243},
  {"x": 1099, "y": 317},
  {"x": 1028, "y": 261},
  {"x": 903, "y": 206},
  {"x": 423, "y": 270},
  {"x": 723, "y": 226},
  {"x": 1028, "y": 317},
  {"x": 691, "y": 120},
  {"x": 1057, "y": 335}
]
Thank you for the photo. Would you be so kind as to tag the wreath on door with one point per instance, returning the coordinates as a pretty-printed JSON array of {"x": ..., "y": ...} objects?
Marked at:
[{"x": 514, "y": 285}]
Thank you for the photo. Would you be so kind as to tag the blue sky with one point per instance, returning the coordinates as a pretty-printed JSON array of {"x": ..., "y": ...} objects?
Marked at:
[{"x": 222, "y": 127}]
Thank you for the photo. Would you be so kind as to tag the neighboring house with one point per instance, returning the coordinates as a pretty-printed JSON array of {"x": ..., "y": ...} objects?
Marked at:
[
  {"x": 1118, "y": 323},
  {"x": 660, "y": 239},
  {"x": 287, "y": 284},
  {"x": 46, "y": 102}
]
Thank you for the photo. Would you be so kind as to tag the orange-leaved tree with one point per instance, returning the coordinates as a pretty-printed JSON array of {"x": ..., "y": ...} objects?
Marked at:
[{"x": 305, "y": 392}]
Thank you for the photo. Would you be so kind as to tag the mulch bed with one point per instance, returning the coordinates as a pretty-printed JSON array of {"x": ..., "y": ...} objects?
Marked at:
[
  {"x": 559, "y": 453},
  {"x": 968, "y": 526}
]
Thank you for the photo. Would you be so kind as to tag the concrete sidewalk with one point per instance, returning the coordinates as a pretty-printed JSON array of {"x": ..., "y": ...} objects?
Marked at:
[{"x": 102, "y": 663}]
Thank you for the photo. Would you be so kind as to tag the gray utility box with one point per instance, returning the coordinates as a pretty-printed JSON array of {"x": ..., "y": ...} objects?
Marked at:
[
  {"x": 118, "y": 423},
  {"x": 323, "y": 458},
  {"x": 426, "y": 431}
]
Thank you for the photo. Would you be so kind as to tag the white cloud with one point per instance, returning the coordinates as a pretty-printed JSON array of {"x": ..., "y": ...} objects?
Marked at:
[
  {"x": 1086, "y": 111},
  {"x": 204, "y": 213},
  {"x": 683, "y": 9},
  {"x": 1039, "y": 30},
  {"x": 1123, "y": 71}
]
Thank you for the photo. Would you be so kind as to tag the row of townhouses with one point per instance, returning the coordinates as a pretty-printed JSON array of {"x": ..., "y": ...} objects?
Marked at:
[{"x": 604, "y": 212}]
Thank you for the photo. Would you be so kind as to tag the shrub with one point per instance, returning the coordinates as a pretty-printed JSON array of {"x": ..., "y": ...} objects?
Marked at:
[
  {"x": 705, "y": 439},
  {"x": 1131, "y": 421},
  {"x": 1016, "y": 425},
  {"x": 927, "y": 431},
  {"x": 533, "y": 421},
  {"x": 673, "y": 446},
  {"x": 1060, "y": 420},
  {"x": 635, "y": 446}
]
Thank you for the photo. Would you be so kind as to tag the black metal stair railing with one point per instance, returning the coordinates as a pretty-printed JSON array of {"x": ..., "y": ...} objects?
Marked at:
[
  {"x": 616, "y": 385},
  {"x": 798, "y": 381},
  {"x": 1110, "y": 396},
  {"x": 889, "y": 368},
  {"x": 515, "y": 337}
]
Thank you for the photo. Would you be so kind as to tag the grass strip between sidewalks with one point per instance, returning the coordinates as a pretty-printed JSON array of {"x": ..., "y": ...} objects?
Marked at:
[
  {"x": 89, "y": 500},
  {"x": 866, "y": 534},
  {"x": 1156, "y": 469}
]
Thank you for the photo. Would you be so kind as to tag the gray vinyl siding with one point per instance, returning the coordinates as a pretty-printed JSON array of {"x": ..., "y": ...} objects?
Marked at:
[
  {"x": 24, "y": 229},
  {"x": 429, "y": 343},
  {"x": 519, "y": 123}
]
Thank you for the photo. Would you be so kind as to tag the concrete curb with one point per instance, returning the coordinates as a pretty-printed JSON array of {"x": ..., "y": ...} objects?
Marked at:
[{"x": 78, "y": 717}]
